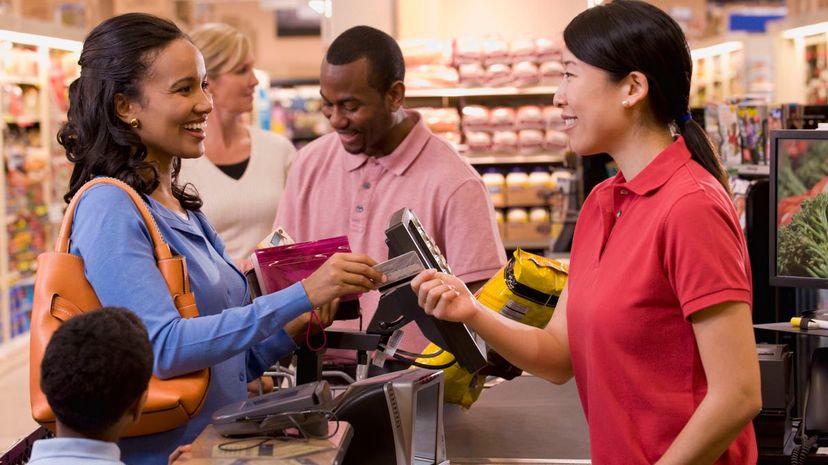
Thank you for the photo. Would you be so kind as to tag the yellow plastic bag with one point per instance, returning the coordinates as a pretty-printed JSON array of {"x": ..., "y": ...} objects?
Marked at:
[{"x": 526, "y": 289}]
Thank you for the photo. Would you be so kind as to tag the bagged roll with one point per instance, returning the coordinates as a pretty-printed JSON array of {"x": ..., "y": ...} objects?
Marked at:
[
  {"x": 475, "y": 117},
  {"x": 529, "y": 117}
]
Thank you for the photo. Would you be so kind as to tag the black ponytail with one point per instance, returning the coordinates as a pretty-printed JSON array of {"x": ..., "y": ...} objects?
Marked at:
[
  {"x": 702, "y": 150},
  {"x": 630, "y": 35}
]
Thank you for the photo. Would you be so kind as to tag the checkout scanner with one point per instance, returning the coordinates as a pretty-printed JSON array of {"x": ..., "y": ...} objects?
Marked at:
[
  {"x": 398, "y": 307},
  {"x": 397, "y": 417},
  {"x": 303, "y": 407}
]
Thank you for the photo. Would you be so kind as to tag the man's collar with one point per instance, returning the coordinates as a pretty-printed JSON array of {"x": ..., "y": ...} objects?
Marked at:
[{"x": 403, "y": 156}]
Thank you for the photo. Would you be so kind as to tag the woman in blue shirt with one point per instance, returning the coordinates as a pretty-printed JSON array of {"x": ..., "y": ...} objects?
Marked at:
[{"x": 138, "y": 107}]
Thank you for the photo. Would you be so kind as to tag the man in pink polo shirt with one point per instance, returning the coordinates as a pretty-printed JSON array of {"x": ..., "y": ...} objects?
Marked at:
[{"x": 381, "y": 158}]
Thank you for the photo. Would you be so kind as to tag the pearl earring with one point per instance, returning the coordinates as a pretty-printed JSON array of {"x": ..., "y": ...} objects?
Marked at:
[{"x": 625, "y": 103}]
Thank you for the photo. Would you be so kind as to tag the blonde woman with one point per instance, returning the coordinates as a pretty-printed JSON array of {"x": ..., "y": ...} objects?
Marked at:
[{"x": 243, "y": 173}]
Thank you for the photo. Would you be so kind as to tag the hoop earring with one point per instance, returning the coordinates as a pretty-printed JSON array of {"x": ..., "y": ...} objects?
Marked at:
[{"x": 135, "y": 123}]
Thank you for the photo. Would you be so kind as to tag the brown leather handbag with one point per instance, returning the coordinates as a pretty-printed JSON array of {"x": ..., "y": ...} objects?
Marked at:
[{"x": 61, "y": 291}]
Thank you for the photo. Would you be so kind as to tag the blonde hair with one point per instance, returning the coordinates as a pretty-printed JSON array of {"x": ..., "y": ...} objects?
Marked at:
[{"x": 224, "y": 47}]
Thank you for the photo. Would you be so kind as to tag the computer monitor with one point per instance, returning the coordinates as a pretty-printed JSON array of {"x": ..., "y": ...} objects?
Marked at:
[
  {"x": 397, "y": 419},
  {"x": 799, "y": 208}
]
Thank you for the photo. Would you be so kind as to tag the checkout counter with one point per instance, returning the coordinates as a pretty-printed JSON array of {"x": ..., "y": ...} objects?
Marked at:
[
  {"x": 399, "y": 418},
  {"x": 523, "y": 421}
]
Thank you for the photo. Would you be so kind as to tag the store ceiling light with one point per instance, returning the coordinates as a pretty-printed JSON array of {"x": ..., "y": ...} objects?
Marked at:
[
  {"x": 718, "y": 49},
  {"x": 35, "y": 39},
  {"x": 323, "y": 7},
  {"x": 805, "y": 31}
]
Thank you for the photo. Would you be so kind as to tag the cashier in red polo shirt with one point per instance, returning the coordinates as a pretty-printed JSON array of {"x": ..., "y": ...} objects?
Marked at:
[
  {"x": 655, "y": 321},
  {"x": 650, "y": 255}
]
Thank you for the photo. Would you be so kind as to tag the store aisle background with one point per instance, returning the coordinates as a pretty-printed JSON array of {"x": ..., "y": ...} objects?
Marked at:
[{"x": 14, "y": 393}]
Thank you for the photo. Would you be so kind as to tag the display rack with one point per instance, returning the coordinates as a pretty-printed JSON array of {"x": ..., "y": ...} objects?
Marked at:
[
  {"x": 732, "y": 66},
  {"x": 534, "y": 235},
  {"x": 297, "y": 110},
  {"x": 801, "y": 54},
  {"x": 34, "y": 74},
  {"x": 537, "y": 159},
  {"x": 477, "y": 93}
]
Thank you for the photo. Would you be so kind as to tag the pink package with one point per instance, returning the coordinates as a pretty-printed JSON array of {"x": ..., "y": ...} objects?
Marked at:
[{"x": 281, "y": 266}]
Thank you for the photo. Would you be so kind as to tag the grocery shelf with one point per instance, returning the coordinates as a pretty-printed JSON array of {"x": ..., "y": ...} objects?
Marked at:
[
  {"x": 27, "y": 280},
  {"x": 15, "y": 278},
  {"x": 514, "y": 159},
  {"x": 538, "y": 204},
  {"x": 527, "y": 245},
  {"x": 28, "y": 135},
  {"x": 480, "y": 91},
  {"x": 24, "y": 80},
  {"x": 21, "y": 121},
  {"x": 753, "y": 170}
]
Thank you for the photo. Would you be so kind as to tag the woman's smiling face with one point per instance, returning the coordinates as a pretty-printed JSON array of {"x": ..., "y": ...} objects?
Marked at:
[
  {"x": 593, "y": 113},
  {"x": 174, "y": 103}
]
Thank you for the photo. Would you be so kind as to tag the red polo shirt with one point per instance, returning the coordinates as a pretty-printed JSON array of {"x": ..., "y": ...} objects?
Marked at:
[{"x": 646, "y": 255}]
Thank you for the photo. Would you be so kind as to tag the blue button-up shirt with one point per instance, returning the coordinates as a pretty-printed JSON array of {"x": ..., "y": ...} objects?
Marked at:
[
  {"x": 237, "y": 341},
  {"x": 74, "y": 451}
]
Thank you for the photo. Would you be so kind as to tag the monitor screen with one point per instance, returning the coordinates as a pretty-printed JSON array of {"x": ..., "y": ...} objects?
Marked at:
[
  {"x": 397, "y": 418},
  {"x": 427, "y": 406},
  {"x": 799, "y": 208}
]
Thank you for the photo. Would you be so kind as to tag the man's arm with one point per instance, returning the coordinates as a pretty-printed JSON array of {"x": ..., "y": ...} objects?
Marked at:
[{"x": 472, "y": 242}]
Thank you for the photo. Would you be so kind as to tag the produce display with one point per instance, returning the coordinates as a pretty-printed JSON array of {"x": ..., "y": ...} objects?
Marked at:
[{"x": 802, "y": 211}]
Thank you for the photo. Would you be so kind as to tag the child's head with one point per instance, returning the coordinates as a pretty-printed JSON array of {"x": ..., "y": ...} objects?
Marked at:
[{"x": 96, "y": 370}]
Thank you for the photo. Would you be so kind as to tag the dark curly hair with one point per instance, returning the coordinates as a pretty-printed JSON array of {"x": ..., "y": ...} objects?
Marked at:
[
  {"x": 95, "y": 367},
  {"x": 116, "y": 56}
]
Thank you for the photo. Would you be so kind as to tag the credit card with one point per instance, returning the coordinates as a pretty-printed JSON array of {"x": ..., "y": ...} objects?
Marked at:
[{"x": 401, "y": 268}]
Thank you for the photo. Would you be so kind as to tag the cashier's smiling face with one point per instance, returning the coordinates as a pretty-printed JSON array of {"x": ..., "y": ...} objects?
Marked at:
[{"x": 357, "y": 111}]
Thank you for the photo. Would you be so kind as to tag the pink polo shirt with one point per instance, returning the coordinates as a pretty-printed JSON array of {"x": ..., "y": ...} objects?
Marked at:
[
  {"x": 646, "y": 255},
  {"x": 331, "y": 192}
]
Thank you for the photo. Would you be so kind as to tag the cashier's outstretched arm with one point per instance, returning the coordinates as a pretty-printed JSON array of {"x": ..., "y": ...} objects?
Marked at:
[{"x": 542, "y": 352}]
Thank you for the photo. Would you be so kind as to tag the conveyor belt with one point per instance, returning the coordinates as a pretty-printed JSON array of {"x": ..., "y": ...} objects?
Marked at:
[{"x": 523, "y": 421}]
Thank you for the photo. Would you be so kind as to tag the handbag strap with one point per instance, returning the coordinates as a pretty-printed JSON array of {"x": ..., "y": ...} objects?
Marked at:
[{"x": 162, "y": 250}]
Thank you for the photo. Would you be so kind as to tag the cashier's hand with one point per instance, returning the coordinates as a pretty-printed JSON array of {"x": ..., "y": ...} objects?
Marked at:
[
  {"x": 444, "y": 296},
  {"x": 342, "y": 274},
  {"x": 181, "y": 455}
]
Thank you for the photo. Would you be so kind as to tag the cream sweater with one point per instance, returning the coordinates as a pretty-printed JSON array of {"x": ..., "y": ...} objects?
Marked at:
[{"x": 243, "y": 210}]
